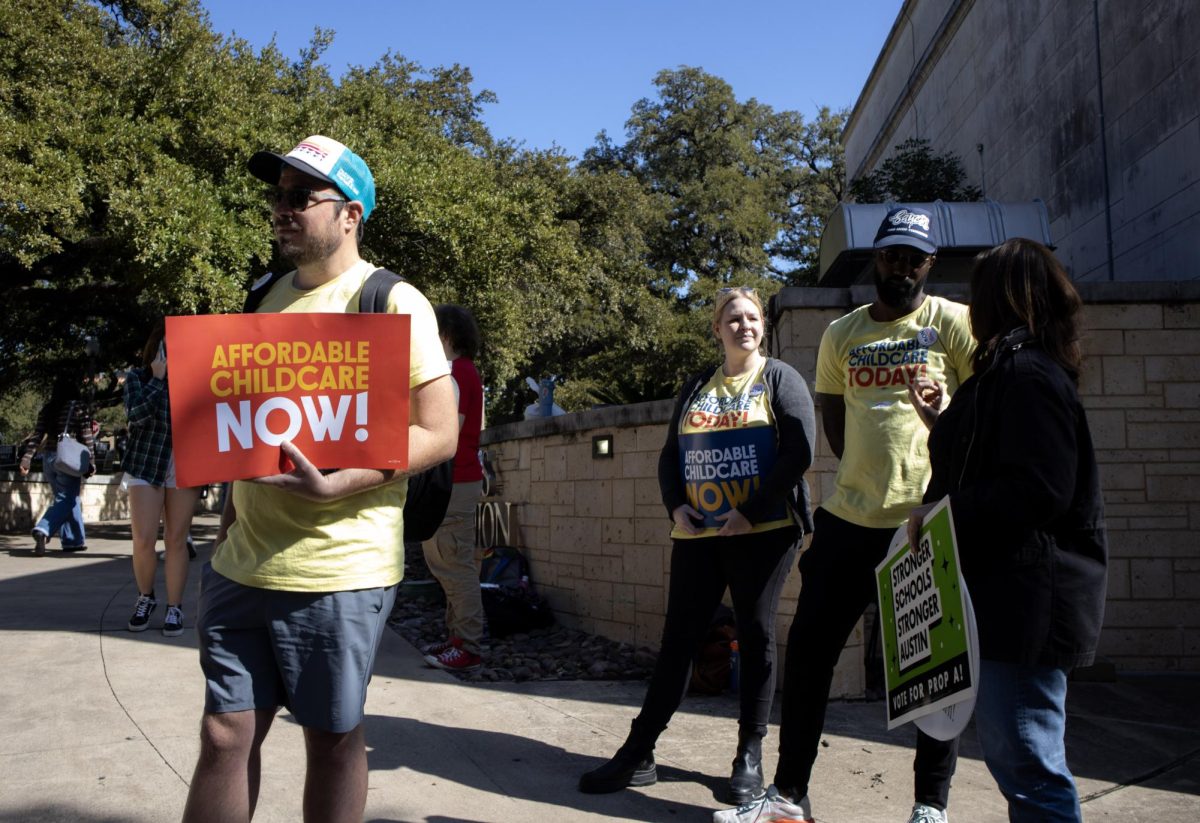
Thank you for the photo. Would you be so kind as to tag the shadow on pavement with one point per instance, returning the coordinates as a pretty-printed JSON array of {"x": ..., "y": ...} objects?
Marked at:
[
  {"x": 518, "y": 767},
  {"x": 1140, "y": 730},
  {"x": 57, "y": 813}
]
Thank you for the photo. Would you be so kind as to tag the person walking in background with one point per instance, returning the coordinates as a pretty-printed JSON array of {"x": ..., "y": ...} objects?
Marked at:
[
  {"x": 63, "y": 413},
  {"x": 1014, "y": 453},
  {"x": 865, "y": 363},
  {"x": 750, "y": 422},
  {"x": 295, "y": 601},
  {"x": 153, "y": 497},
  {"x": 450, "y": 554}
]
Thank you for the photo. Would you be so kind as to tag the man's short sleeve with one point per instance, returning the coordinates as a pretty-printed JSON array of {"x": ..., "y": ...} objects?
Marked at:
[
  {"x": 829, "y": 372},
  {"x": 961, "y": 346},
  {"x": 427, "y": 359}
]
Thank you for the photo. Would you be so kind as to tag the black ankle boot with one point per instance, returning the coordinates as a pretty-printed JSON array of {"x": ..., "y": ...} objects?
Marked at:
[
  {"x": 632, "y": 765},
  {"x": 746, "y": 781}
]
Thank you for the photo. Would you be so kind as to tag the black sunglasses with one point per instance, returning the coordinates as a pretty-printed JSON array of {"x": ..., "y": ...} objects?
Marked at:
[
  {"x": 914, "y": 259},
  {"x": 297, "y": 199}
]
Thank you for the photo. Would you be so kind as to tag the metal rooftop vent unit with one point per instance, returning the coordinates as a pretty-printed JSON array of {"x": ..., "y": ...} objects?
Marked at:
[{"x": 961, "y": 231}]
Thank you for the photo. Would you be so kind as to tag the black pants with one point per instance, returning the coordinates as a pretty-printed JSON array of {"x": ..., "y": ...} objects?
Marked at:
[
  {"x": 754, "y": 568},
  {"x": 838, "y": 577}
]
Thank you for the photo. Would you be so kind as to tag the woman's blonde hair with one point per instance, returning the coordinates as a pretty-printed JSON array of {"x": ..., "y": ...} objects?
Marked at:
[{"x": 725, "y": 296}]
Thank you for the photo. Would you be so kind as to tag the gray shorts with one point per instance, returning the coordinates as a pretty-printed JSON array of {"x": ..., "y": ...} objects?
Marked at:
[{"x": 311, "y": 652}]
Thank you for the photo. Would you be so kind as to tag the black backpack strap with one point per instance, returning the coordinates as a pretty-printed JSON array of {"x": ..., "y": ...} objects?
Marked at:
[
  {"x": 259, "y": 289},
  {"x": 373, "y": 299}
]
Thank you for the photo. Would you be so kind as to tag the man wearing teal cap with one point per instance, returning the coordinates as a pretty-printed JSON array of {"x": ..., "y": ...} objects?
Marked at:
[{"x": 295, "y": 601}]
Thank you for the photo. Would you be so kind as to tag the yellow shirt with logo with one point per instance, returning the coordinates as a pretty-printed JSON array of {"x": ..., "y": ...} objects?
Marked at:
[
  {"x": 727, "y": 445},
  {"x": 285, "y": 542},
  {"x": 885, "y": 461}
]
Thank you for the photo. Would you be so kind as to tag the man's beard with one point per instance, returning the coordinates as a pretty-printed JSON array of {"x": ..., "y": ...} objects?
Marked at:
[
  {"x": 308, "y": 248},
  {"x": 897, "y": 291}
]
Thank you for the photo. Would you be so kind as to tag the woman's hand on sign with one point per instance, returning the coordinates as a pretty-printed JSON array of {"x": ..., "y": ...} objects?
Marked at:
[
  {"x": 916, "y": 519},
  {"x": 305, "y": 480},
  {"x": 158, "y": 366},
  {"x": 735, "y": 523},
  {"x": 685, "y": 518},
  {"x": 927, "y": 397}
]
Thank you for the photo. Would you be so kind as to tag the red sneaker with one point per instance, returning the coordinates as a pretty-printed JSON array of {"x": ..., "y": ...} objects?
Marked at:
[
  {"x": 455, "y": 659},
  {"x": 434, "y": 649}
]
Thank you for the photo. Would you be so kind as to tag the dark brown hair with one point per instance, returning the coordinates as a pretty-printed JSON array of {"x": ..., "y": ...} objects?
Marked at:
[
  {"x": 1021, "y": 283},
  {"x": 150, "y": 351},
  {"x": 457, "y": 324}
]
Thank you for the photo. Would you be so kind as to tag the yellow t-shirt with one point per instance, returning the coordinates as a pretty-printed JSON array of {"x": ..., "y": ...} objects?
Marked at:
[
  {"x": 885, "y": 461},
  {"x": 727, "y": 445},
  {"x": 281, "y": 541}
]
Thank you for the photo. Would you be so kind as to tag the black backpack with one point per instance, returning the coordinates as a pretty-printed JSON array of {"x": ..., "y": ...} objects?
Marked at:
[
  {"x": 428, "y": 491},
  {"x": 509, "y": 600}
]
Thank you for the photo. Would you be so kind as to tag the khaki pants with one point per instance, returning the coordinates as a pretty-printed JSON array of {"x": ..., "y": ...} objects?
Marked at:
[{"x": 450, "y": 555}]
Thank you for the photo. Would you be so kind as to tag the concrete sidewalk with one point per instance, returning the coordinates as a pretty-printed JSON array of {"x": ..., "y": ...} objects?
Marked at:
[{"x": 101, "y": 725}]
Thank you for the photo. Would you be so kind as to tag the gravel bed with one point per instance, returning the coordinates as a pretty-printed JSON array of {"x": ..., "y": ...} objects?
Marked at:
[{"x": 553, "y": 653}]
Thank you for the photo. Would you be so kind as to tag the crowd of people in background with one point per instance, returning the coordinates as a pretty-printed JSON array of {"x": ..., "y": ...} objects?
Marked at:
[{"x": 302, "y": 578}]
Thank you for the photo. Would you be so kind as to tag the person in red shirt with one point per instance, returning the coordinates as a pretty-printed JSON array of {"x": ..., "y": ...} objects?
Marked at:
[{"x": 450, "y": 554}]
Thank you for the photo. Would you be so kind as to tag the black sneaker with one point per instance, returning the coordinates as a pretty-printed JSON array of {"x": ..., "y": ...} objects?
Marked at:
[
  {"x": 173, "y": 625},
  {"x": 82, "y": 547},
  {"x": 142, "y": 610},
  {"x": 39, "y": 543}
]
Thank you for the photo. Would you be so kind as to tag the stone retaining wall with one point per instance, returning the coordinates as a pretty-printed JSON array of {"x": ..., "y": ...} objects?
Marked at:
[{"x": 23, "y": 499}]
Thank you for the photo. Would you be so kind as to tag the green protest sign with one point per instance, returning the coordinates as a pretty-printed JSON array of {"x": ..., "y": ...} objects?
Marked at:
[{"x": 930, "y": 648}]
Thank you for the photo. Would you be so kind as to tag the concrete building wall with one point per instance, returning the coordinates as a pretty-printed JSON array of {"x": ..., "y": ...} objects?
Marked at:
[
  {"x": 1021, "y": 80},
  {"x": 596, "y": 532}
]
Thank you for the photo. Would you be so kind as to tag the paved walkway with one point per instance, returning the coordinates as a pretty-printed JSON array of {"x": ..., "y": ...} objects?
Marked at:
[{"x": 99, "y": 724}]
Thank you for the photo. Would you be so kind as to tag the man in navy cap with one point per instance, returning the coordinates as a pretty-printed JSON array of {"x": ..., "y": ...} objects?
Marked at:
[
  {"x": 865, "y": 364},
  {"x": 296, "y": 599}
]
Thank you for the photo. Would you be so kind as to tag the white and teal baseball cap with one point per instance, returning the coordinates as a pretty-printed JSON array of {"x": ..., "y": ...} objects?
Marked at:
[{"x": 325, "y": 158}]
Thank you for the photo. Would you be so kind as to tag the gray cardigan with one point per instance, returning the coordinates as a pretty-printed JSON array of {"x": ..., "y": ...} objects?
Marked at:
[{"x": 795, "y": 431}]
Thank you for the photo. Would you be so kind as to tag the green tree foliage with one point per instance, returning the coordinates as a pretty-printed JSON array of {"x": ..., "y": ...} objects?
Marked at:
[
  {"x": 124, "y": 195},
  {"x": 732, "y": 193},
  {"x": 125, "y": 126},
  {"x": 121, "y": 195},
  {"x": 742, "y": 187},
  {"x": 914, "y": 174}
]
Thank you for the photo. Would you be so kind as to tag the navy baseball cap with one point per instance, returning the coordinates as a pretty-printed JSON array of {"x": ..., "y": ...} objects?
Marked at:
[
  {"x": 325, "y": 159},
  {"x": 907, "y": 226}
]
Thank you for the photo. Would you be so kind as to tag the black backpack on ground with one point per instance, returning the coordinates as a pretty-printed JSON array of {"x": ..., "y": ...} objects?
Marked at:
[
  {"x": 506, "y": 589},
  {"x": 429, "y": 491}
]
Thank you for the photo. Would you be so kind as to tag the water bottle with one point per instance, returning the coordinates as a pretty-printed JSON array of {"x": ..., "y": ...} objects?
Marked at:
[{"x": 734, "y": 665}]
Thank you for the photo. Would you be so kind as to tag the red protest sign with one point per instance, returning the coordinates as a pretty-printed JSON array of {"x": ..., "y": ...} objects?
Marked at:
[{"x": 336, "y": 385}]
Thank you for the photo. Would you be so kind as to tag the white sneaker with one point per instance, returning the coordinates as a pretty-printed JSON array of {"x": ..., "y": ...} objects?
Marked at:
[
  {"x": 770, "y": 808},
  {"x": 927, "y": 814}
]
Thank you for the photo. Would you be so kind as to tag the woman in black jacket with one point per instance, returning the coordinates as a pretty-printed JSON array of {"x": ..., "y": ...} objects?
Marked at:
[
  {"x": 1014, "y": 454},
  {"x": 731, "y": 476}
]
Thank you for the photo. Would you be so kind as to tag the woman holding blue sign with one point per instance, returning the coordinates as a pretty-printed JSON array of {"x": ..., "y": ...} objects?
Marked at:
[
  {"x": 1014, "y": 454},
  {"x": 731, "y": 476}
]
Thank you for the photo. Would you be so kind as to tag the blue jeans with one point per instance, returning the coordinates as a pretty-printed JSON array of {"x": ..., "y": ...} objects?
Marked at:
[
  {"x": 66, "y": 512},
  {"x": 1021, "y": 719}
]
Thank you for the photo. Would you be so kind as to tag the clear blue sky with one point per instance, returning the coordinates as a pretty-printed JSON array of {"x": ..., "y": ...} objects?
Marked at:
[{"x": 564, "y": 69}]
